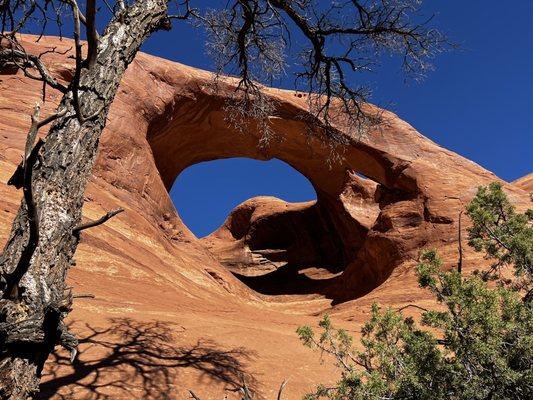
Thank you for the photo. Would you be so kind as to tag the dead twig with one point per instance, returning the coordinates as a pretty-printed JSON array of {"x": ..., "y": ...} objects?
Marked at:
[
  {"x": 92, "y": 34},
  {"x": 79, "y": 60},
  {"x": 83, "y": 296},
  {"x": 280, "y": 392},
  {"x": 195, "y": 397},
  {"x": 412, "y": 306},
  {"x": 23, "y": 60},
  {"x": 99, "y": 221}
]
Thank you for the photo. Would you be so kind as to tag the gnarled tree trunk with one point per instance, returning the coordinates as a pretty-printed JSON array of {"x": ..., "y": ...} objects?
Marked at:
[{"x": 39, "y": 251}]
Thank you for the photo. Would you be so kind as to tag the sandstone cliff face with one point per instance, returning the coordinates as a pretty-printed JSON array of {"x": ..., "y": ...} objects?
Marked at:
[
  {"x": 525, "y": 183},
  {"x": 210, "y": 309}
]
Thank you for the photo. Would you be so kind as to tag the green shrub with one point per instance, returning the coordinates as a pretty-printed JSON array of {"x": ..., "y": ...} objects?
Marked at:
[{"x": 477, "y": 345}]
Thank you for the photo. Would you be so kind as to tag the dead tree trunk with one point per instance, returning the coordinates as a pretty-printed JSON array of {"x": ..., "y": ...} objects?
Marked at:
[{"x": 33, "y": 266}]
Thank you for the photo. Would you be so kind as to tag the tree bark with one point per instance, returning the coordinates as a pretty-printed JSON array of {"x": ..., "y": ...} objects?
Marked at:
[{"x": 33, "y": 296}]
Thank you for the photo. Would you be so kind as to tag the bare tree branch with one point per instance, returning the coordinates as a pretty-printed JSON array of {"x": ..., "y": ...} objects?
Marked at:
[
  {"x": 186, "y": 14},
  {"x": 280, "y": 391},
  {"x": 79, "y": 60},
  {"x": 249, "y": 38},
  {"x": 194, "y": 396},
  {"x": 92, "y": 35},
  {"x": 412, "y": 306},
  {"x": 24, "y": 61},
  {"x": 99, "y": 221},
  {"x": 83, "y": 296}
]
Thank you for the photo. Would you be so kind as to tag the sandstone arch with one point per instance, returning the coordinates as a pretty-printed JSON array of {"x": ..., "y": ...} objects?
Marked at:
[
  {"x": 369, "y": 226},
  {"x": 251, "y": 229},
  {"x": 347, "y": 206}
]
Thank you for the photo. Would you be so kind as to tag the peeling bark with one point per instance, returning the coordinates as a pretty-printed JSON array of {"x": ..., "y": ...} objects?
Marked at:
[{"x": 35, "y": 300}]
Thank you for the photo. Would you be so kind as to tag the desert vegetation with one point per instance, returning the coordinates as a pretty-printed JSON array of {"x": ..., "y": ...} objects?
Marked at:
[{"x": 476, "y": 344}]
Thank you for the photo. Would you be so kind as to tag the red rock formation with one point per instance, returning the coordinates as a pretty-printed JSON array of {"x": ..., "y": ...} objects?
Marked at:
[
  {"x": 525, "y": 183},
  {"x": 394, "y": 193}
]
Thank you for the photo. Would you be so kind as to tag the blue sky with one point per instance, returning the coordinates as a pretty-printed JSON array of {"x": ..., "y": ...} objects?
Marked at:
[
  {"x": 205, "y": 193},
  {"x": 477, "y": 102}
]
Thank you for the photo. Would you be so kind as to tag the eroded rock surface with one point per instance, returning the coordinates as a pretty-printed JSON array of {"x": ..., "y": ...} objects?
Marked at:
[
  {"x": 210, "y": 309},
  {"x": 525, "y": 183}
]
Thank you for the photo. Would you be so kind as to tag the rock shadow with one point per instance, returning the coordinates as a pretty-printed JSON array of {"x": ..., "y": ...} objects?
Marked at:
[
  {"x": 288, "y": 279},
  {"x": 138, "y": 360}
]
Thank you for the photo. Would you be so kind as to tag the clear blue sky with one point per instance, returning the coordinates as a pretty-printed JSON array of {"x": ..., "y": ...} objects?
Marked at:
[{"x": 478, "y": 102}]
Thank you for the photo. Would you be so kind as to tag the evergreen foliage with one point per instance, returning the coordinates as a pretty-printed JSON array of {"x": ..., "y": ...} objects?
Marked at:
[
  {"x": 476, "y": 344},
  {"x": 504, "y": 235}
]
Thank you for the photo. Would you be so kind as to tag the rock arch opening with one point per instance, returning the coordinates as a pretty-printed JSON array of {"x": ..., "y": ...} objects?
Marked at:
[
  {"x": 346, "y": 243},
  {"x": 274, "y": 246},
  {"x": 204, "y": 194}
]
